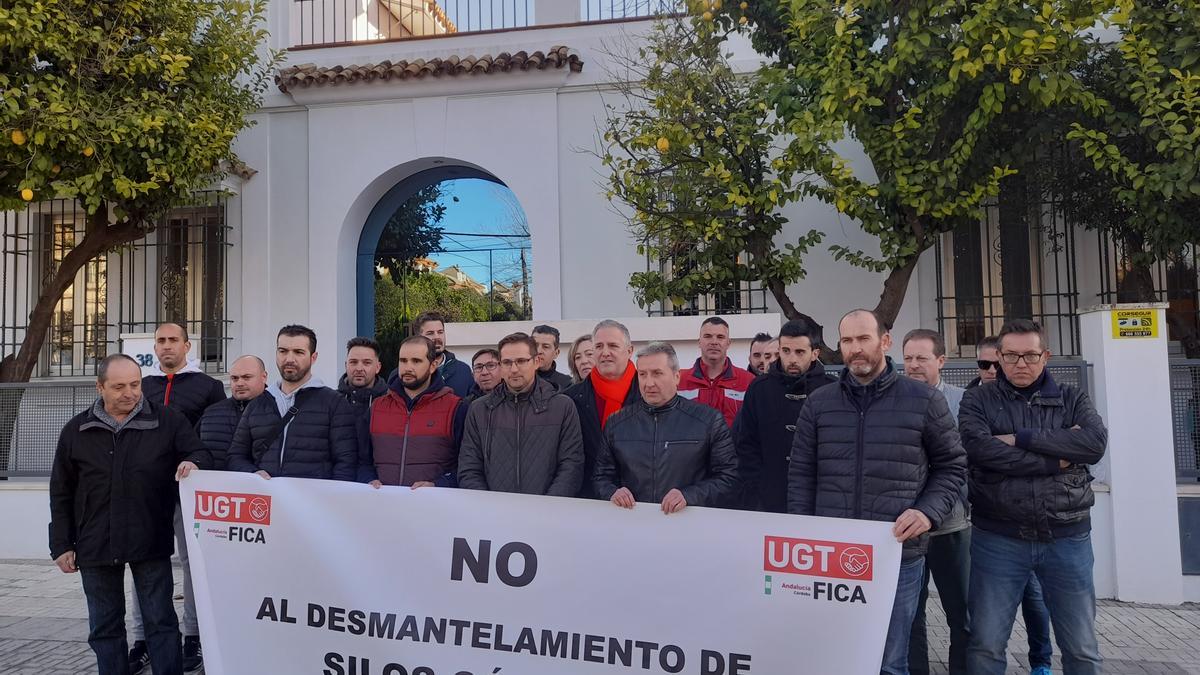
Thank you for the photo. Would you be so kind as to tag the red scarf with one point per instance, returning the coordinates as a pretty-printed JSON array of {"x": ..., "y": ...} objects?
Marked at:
[{"x": 612, "y": 392}]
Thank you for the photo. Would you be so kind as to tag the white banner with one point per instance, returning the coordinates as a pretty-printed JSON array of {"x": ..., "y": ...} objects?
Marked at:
[{"x": 306, "y": 576}]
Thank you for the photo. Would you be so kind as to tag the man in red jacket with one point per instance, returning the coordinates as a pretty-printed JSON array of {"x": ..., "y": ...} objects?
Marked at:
[
  {"x": 714, "y": 380},
  {"x": 412, "y": 432}
]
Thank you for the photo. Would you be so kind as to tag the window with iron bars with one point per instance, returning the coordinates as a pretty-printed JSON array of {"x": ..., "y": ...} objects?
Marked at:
[
  {"x": 748, "y": 297},
  {"x": 176, "y": 273},
  {"x": 1173, "y": 279},
  {"x": 1018, "y": 261}
]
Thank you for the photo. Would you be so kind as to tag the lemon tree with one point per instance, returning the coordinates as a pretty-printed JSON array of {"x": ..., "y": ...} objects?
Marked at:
[
  {"x": 127, "y": 106},
  {"x": 694, "y": 162}
]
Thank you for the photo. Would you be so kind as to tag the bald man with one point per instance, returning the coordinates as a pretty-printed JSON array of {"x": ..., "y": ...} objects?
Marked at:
[{"x": 247, "y": 380}]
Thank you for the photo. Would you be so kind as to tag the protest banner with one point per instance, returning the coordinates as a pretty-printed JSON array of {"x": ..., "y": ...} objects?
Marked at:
[{"x": 308, "y": 576}]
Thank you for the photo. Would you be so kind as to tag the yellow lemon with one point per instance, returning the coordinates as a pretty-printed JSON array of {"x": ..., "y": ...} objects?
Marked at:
[
  {"x": 18, "y": 137},
  {"x": 744, "y": 6},
  {"x": 27, "y": 194},
  {"x": 663, "y": 144},
  {"x": 707, "y": 16},
  {"x": 89, "y": 151}
]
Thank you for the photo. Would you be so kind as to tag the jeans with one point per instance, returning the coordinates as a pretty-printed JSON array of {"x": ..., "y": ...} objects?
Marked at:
[
  {"x": 908, "y": 593},
  {"x": 949, "y": 563},
  {"x": 1000, "y": 569},
  {"x": 1037, "y": 624},
  {"x": 189, "y": 624},
  {"x": 104, "y": 588}
]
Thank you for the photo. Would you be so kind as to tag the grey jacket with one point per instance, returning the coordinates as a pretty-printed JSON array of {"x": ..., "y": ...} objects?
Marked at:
[{"x": 528, "y": 443}]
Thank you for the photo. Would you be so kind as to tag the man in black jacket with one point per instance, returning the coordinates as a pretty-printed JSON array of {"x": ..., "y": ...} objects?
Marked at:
[
  {"x": 547, "y": 339},
  {"x": 523, "y": 436},
  {"x": 457, "y": 375},
  {"x": 666, "y": 449},
  {"x": 361, "y": 383},
  {"x": 612, "y": 385},
  {"x": 112, "y": 500},
  {"x": 767, "y": 422},
  {"x": 1030, "y": 441},
  {"x": 298, "y": 428},
  {"x": 879, "y": 447},
  {"x": 247, "y": 381},
  {"x": 177, "y": 382},
  {"x": 180, "y": 385}
]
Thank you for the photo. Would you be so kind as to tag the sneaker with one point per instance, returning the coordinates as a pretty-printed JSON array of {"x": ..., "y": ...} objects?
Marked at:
[
  {"x": 139, "y": 658},
  {"x": 1041, "y": 670},
  {"x": 193, "y": 655}
]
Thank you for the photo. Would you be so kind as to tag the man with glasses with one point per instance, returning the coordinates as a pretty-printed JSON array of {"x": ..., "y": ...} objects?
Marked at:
[
  {"x": 1033, "y": 608},
  {"x": 987, "y": 359},
  {"x": 1030, "y": 441},
  {"x": 485, "y": 367},
  {"x": 523, "y": 436}
]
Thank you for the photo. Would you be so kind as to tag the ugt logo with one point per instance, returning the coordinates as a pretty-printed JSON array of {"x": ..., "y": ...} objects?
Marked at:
[
  {"x": 813, "y": 558},
  {"x": 232, "y": 507}
]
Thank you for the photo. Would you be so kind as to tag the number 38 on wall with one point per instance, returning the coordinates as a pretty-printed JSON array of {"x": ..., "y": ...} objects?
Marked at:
[{"x": 144, "y": 360}]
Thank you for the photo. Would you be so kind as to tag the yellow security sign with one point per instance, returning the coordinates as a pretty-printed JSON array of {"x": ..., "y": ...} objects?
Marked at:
[{"x": 1134, "y": 323}]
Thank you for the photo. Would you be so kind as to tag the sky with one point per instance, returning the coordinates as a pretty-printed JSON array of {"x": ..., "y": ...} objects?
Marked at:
[{"x": 483, "y": 208}]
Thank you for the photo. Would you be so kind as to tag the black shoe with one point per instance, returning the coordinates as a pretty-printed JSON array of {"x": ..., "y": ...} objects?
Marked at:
[
  {"x": 193, "y": 655},
  {"x": 139, "y": 658}
]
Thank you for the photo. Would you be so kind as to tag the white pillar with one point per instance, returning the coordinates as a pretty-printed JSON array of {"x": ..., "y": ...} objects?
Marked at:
[{"x": 1132, "y": 385}]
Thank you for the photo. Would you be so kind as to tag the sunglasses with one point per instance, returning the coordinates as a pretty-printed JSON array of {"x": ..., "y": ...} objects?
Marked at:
[{"x": 987, "y": 365}]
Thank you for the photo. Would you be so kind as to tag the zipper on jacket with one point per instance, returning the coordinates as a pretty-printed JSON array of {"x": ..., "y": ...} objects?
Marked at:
[
  {"x": 518, "y": 444},
  {"x": 404, "y": 447},
  {"x": 654, "y": 460},
  {"x": 858, "y": 464}
]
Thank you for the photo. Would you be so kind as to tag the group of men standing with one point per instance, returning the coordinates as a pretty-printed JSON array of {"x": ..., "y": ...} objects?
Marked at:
[{"x": 871, "y": 443}]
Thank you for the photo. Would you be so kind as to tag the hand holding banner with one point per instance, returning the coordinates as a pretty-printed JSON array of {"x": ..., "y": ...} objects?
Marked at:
[{"x": 307, "y": 576}]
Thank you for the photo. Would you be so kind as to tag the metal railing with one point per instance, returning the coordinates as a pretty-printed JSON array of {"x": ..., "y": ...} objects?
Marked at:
[
  {"x": 31, "y": 416},
  {"x": 325, "y": 23},
  {"x": 1185, "y": 415}
]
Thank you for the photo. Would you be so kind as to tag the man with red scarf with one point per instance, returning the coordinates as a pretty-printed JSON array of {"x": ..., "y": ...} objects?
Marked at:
[{"x": 611, "y": 386}]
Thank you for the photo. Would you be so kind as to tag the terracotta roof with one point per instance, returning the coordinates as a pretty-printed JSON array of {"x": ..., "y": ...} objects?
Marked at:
[{"x": 307, "y": 75}]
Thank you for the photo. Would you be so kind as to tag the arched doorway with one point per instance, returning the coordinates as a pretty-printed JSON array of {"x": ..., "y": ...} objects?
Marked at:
[{"x": 450, "y": 239}]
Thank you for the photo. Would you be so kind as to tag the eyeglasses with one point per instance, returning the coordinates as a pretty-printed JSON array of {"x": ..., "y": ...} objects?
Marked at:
[
  {"x": 482, "y": 367},
  {"x": 519, "y": 363},
  {"x": 987, "y": 365},
  {"x": 1032, "y": 358}
]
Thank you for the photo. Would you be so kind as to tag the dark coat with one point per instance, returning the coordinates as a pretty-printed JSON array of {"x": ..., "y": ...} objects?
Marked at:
[
  {"x": 872, "y": 452},
  {"x": 457, "y": 374},
  {"x": 681, "y": 445},
  {"x": 320, "y": 442},
  {"x": 583, "y": 395},
  {"x": 362, "y": 397},
  {"x": 191, "y": 392},
  {"x": 561, "y": 381},
  {"x": 527, "y": 443},
  {"x": 217, "y": 426},
  {"x": 113, "y": 495},
  {"x": 1021, "y": 490},
  {"x": 764, "y": 429}
]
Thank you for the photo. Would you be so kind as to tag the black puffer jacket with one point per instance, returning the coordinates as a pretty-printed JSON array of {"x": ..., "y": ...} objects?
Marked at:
[
  {"x": 584, "y": 397},
  {"x": 113, "y": 495},
  {"x": 320, "y": 442},
  {"x": 1020, "y": 490},
  {"x": 191, "y": 392},
  {"x": 872, "y": 452},
  {"x": 764, "y": 429},
  {"x": 217, "y": 426},
  {"x": 527, "y": 443},
  {"x": 681, "y": 445}
]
